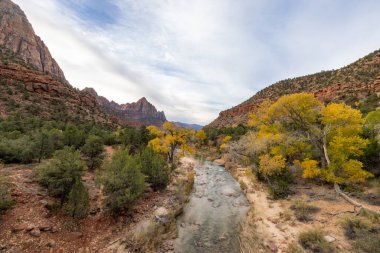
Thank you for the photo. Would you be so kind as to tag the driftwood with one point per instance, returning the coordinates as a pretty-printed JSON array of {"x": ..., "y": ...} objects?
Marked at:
[{"x": 353, "y": 202}]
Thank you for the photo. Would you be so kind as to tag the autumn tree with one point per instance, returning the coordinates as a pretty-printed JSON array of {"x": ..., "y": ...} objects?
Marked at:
[
  {"x": 225, "y": 141},
  {"x": 201, "y": 136},
  {"x": 170, "y": 139},
  {"x": 331, "y": 134}
]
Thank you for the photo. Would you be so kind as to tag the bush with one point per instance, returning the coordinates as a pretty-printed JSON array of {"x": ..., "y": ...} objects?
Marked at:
[
  {"x": 60, "y": 174},
  {"x": 6, "y": 201},
  {"x": 20, "y": 150},
  {"x": 155, "y": 168},
  {"x": 43, "y": 145},
  {"x": 313, "y": 240},
  {"x": 279, "y": 184},
  {"x": 72, "y": 136},
  {"x": 93, "y": 149},
  {"x": 123, "y": 181},
  {"x": 365, "y": 233},
  {"x": 78, "y": 200},
  {"x": 294, "y": 247},
  {"x": 303, "y": 211}
]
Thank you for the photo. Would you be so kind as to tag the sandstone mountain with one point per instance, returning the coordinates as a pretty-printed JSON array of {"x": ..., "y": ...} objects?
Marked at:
[
  {"x": 32, "y": 83},
  {"x": 141, "y": 112},
  {"x": 29, "y": 92},
  {"x": 17, "y": 35},
  {"x": 356, "y": 83}
]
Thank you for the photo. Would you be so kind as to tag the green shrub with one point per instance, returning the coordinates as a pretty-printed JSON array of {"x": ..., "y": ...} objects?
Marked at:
[
  {"x": 6, "y": 201},
  {"x": 352, "y": 227},
  {"x": 365, "y": 233},
  {"x": 294, "y": 247},
  {"x": 60, "y": 173},
  {"x": 123, "y": 181},
  {"x": 93, "y": 149},
  {"x": 155, "y": 168},
  {"x": 313, "y": 240},
  {"x": 43, "y": 145},
  {"x": 72, "y": 136},
  {"x": 20, "y": 150},
  {"x": 303, "y": 211},
  {"x": 279, "y": 184},
  {"x": 78, "y": 200}
]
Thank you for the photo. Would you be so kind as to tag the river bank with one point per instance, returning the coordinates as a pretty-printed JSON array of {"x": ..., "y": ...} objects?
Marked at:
[
  {"x": 275, "y": 225},
  {"x": 157, "y": 232}
]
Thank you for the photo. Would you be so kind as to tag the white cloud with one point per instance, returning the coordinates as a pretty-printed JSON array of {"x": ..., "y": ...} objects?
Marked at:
[{"x": 193, "y": 59}]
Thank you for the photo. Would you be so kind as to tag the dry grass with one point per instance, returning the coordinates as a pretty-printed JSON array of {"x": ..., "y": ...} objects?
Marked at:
[
  {"x": 313, "y": 240},
  {"x": 249, "y": 241},
  {"x": 303, "y": 211}
]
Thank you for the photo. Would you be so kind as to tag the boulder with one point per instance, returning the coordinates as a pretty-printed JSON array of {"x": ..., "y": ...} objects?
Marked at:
[
  {"x": 35, "y": 232},
  {"x": 329, "y": 238},
  {"x": 220, "y": 162}
]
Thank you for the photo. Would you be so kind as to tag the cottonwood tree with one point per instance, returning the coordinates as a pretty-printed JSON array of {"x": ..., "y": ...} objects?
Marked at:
[
  {"x": 169, "y": 139},
  {"x": 333, "y": 132},
  {"x": 201, "y": 136}
]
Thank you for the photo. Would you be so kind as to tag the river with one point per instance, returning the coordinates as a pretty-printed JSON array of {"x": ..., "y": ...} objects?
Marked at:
[{"x": 211, "y": 219}]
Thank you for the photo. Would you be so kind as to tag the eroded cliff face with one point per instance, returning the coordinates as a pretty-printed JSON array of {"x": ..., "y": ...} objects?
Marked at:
[
  {"x": 350, "y": 84},
  {"x": 144, "y": 111},
  {"x": 17, "y": 35},
  {"x": 32, "y": 83},
  {"x": 138, "y": 113},
  {"x": 33, "y": 93}
]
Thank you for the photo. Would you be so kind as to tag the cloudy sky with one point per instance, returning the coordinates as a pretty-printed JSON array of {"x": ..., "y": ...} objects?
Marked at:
[{"x": 193, "y": 59}]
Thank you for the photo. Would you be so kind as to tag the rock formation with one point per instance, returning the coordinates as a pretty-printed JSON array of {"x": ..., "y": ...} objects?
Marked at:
[
  {"x": 141, "y": 112},
  {"x": 17, "y": 35},
  {"x": 351, "y": 84},
  {"x": 32, "y": 83}
]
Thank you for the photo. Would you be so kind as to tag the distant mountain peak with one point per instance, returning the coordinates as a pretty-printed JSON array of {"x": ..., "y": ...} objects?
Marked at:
[
  {"x": 142, "y": 100},
  {"x": 141, "y": 112}
]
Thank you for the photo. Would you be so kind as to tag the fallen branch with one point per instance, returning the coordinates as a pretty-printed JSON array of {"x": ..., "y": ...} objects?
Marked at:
[
  {"x": 339, "y": 213},
  {"x": 353, "y": 202}
]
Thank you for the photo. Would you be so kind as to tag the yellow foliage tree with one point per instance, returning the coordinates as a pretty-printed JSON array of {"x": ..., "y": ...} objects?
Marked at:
[
  {"x": 333, "y": 131},
  {"x": 170, "y": 139},
  {"x": 270, "y": 165},
  {"x": 201, "y": 136},
  {"x": 226, "y": 139}
]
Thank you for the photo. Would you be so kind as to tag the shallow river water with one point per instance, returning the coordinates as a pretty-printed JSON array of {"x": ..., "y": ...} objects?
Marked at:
[{"x": 211, "y": 219}]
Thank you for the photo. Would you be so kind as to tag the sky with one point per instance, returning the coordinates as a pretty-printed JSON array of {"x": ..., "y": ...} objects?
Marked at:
[{"x": 193, "y": 59}]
